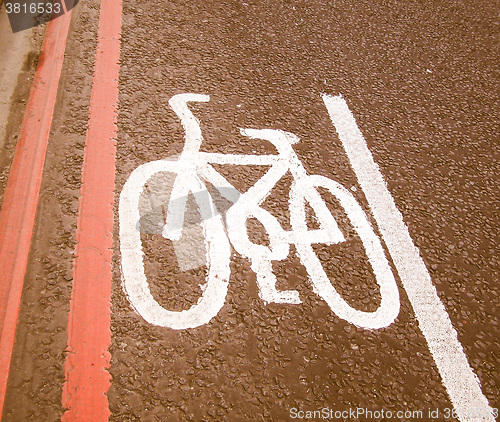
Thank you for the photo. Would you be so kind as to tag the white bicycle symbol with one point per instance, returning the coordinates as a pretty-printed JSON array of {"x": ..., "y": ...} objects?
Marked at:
[{"x": 191, "y": 169}]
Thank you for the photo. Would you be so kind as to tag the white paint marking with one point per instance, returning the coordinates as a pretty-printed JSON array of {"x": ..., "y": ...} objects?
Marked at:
[
  {"x": 216, "y": 243},
  {"x": 188, "y": 170},
  {"x": 135, "y": 282},
  {"x": 388, "y": 309},
  {"x": 304, "y": 189},
  {"x": 461, "y": 383}
]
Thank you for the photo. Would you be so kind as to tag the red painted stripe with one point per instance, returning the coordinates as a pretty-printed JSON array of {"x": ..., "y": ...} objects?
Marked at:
[
  {"x": 20, "y": 201},
  {"x": 89, "y": 336}
]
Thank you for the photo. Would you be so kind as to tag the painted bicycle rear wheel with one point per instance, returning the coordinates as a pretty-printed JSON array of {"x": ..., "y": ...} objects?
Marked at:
[{"x": 388, "y": 309}]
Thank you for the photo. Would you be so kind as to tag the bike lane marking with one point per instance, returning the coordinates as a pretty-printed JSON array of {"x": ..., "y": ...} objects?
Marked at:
[
  {"x": 248, "y": 205},
  {"x": 459, "y": 380},
  {"x": 86, "y": 367},
  {"x": 20, "y": 201}
]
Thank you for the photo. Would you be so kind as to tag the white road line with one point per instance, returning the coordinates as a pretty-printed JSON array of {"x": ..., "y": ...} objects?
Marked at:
[{"x": 461, "y": 383}]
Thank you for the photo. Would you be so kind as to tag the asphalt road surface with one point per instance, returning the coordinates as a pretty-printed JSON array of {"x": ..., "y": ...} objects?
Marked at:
[{"x": 420, "y": 82}]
